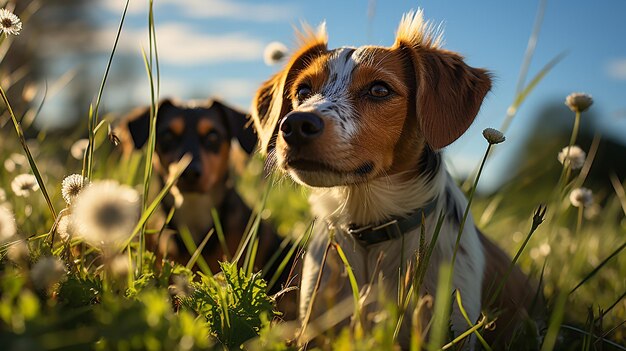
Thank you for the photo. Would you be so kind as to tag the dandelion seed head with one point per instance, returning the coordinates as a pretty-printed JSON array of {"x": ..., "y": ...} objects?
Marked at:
[
  {"x": 592, "y": 212},
  {"x": 78, "y": 148},
  {"x": 578, "y": 102},
  {"x": 23, "y": 184},
  {"x": 581, "y": 197},
  {"x": 19, "y": 252},
  {"x": 9, "y": 22},
  {"x": 493, "y": 136},
  {"x": 71, "y": 186},
  {"x": 7, "y": 224},
  {"x": 274, "y": 52},
  {"x": 14, "y": 162},
  {"x": 105, "y": 213},
  {"x": 65, "y": 228},
  {"x": 180, "y": 286},
  {"x": 47, "y": 271},
  {"x": 119, "y": 266},
  {"x": 574, "y": 157}
]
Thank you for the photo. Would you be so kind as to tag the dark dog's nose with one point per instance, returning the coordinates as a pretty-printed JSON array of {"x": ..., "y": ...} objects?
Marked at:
[
  {"x": 192, "y": 173},
  {"x": 299, "y": 128}
]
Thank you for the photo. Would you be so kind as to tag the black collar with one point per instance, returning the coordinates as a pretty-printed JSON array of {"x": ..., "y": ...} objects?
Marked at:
[{"x": 395, "y": 228}]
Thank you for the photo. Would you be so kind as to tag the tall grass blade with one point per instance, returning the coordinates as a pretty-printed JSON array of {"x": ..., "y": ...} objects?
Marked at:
[
  {"x": 195, "y": 252},
  {"x": 598, "y": 267},
  {"x": 441, "y": 314},
  {"x": 177, "y": 171},
  {"x": 355, "y": 290},
  {"x": 538, "y": 218},
  {"x": 31, "y": 160},
  {"x": 93, "y": 116},
  {"x": 482, "y": 340},
  {"x": 220, "y": 233}
]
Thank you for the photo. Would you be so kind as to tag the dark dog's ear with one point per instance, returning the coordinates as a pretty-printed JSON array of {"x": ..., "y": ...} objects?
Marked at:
[
  {"x": 240, "y": 126},
  {"x": 137, "y": 124},
  {"x": 449, "y": 93},
  {"x": 271, "y": 102}
]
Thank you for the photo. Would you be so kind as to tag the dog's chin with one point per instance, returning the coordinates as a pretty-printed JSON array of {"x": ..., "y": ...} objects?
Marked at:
[{"x": 319, "y": 175}]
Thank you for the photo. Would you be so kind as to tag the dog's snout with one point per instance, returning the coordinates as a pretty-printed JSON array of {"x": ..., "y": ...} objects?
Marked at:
[
  {"x": 299, "y": 128},
  {"x": 193, "y": 172}
]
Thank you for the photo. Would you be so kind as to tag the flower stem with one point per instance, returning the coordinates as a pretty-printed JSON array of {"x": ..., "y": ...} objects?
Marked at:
[
  {"x": 469, "y": 202},
  {"x": 567, "y": 164}
]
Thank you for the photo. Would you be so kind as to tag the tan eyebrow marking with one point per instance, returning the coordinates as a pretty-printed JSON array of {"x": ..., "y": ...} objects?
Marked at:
[
  {"x": 204, "y": 126},
  {"x": 177, "y": 125}
]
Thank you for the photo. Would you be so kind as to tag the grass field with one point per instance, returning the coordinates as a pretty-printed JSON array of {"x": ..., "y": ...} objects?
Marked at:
[{"x": 72, "y": 282}]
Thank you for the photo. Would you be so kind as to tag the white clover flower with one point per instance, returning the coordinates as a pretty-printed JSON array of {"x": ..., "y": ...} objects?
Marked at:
[
  {"x": 581, "y": 197},
  {"x": 47, "y": 272},
  {"x": 105, "y": 213},
  {"x": 24, "y": 184},
  {"x": 3, "y": 195},
  {"x": 9, "y": 22},
  {"x": 7, "y": 224},
  {"x": 274, "y": 52},
  {"x": 493, "y": 136},
  {"x": 71, "y": 186},
  {"x": 574, "y": 157},
  {"x": 578, "y": 102},
  {"x": 78, "y": 148}
]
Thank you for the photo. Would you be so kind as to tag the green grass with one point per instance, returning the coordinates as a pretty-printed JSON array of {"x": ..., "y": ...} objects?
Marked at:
[{"x": 164, "y": 306}]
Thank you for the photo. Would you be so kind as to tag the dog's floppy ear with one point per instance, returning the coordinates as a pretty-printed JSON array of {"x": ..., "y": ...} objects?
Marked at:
[
  {"x": 449, "y": 92},
  {"x": 271, "y": 102},
  {"x": 137, "y": 125},
  {"x": 239, "y": 126}
]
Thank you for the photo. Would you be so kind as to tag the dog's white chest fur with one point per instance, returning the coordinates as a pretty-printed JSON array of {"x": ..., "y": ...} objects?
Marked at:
[{"x": 380, "y": 264}]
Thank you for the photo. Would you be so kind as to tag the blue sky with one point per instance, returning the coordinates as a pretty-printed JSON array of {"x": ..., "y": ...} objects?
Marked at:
[{"x": 215, "y": 47}]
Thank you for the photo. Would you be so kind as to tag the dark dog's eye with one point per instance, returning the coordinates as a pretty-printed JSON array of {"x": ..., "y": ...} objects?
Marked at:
[
  {"x": 304, "y": 92},
  {"x": 379, "y": 90},
  {"x": 167, "y": 141},
  {"x": 211, "y": 140}
]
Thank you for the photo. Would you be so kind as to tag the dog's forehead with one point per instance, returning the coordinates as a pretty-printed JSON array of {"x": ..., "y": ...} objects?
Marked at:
[
  {"x": 341, "y": 64},
  {"x": 191, "y": 113}
]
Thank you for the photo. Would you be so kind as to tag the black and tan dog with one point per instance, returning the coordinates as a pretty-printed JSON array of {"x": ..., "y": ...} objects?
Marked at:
[{"x": 205, "y": 131}]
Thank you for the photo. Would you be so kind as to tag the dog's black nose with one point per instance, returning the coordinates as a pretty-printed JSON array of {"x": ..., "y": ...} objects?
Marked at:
[
  {"x": 193, "y": 172},
  {"x": 299, "y": 128}
]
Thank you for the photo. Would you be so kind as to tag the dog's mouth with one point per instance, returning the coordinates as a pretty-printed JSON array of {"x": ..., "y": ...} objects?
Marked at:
[{"x": 304, "y": 165}]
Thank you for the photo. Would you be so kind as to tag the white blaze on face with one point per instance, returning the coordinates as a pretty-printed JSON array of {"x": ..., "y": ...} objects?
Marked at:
[{"x": 334, "y": 101}]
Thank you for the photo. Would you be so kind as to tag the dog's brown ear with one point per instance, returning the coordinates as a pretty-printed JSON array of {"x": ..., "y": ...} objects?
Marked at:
[
  {"x": 239, "y": 125},
  {"x": 449, "y": 92},
  {"x": 136, "y": 125},
  {"x": 271, "y": 102}
]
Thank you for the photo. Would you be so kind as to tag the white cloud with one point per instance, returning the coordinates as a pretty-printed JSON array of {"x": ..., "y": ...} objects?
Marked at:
[
  {"x": 211, "y": 9},
  {"x": 617, "y": 69},
  {"x": 178, "y": 44},
  {"x": 181, "y": 44},
  {"x": 233, "y": 89}
]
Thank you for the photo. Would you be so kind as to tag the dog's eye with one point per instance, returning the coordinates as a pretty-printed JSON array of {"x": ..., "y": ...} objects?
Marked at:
[
  {"x": 167, "y": 141},
  {"x": 211, "y": 140},
  {"x": 379, "y": 90},
  {"x": 212, "y": 137},
  {"x": 304, "y": 92}
]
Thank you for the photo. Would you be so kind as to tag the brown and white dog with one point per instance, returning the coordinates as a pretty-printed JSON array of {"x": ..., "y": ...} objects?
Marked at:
[
  {"x": 203, "y": 129},
  {"x": 364, "y": 128}
]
